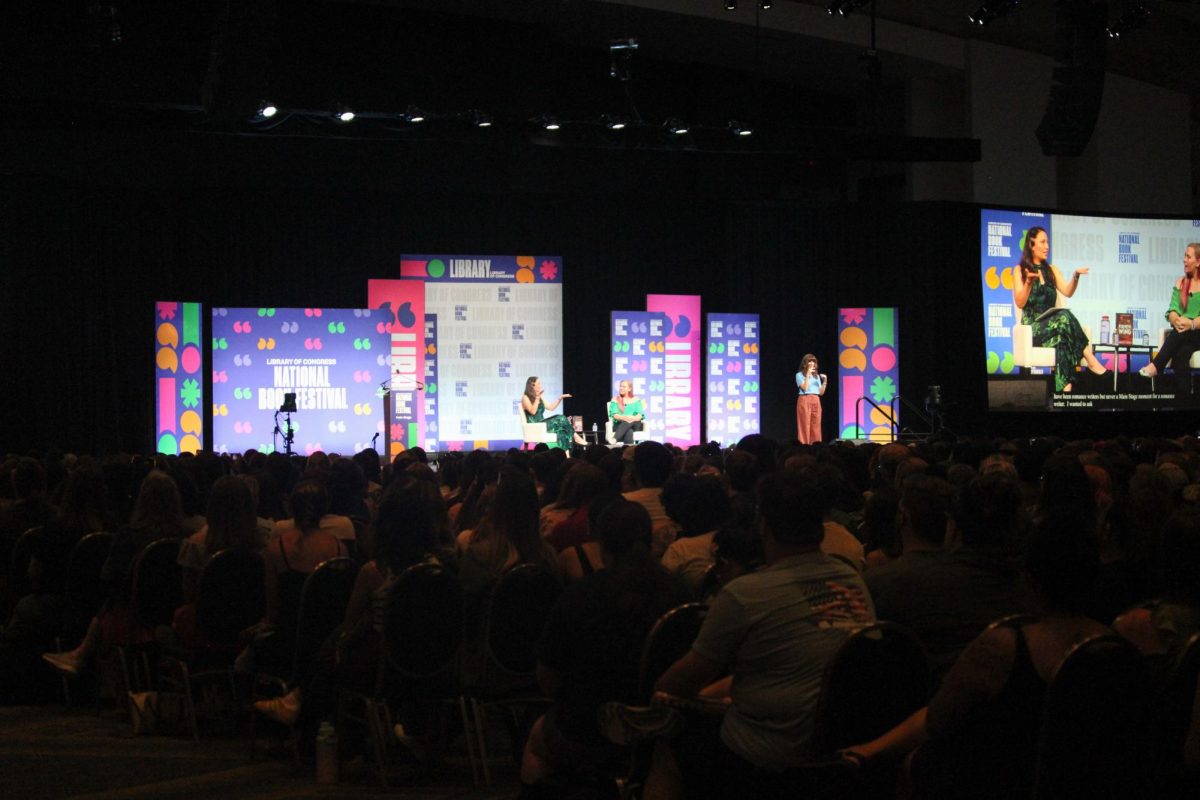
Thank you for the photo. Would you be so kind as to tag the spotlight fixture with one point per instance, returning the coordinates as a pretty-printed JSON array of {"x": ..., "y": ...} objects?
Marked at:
[
  {"x": 622, "y": 52},
  {"x": 675, "y": 126},
  {"x": 267, "y": 110},
  {"x": 764, "y": 4},
  {"x": 731, "y": 5},
  {"x": 844, "y": 8},
  {"x": 343, "y": 113},
  {"x": 414, "y": 115},
  {"x": 480, "y": 119},
  {"x": 548, "y": 122},
  {"x": 740, "y": 129},
  {"x": 992, "y": 9},
  {"x": 1135, "y": 15},
  {"x": 613, "y": 123}
]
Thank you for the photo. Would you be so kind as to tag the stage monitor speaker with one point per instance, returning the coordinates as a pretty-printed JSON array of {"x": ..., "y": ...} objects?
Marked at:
[{"x": 1077, "y": 87}]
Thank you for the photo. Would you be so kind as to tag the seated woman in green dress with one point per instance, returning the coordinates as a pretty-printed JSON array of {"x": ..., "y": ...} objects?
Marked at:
[
  {"x": 626, "y": 413},
  {"x": 535, "y": 408},
  {"x": 1036, "y": 284}
]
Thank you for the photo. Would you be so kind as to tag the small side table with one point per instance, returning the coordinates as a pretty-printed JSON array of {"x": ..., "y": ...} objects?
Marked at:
[{"x": 1117, "y": 348}]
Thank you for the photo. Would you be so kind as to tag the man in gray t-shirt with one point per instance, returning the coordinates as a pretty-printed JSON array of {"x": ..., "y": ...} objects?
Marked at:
[{"x": 774, "y": 631}]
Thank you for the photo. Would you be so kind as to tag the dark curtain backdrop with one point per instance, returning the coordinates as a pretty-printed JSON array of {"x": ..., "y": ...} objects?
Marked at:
[{"x": 83, "y": 264}]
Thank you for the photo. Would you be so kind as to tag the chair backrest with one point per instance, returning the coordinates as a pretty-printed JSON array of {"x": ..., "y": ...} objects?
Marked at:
[
  {"x": 18, "y": 565},
  {"x": 516, "y": 614},
  {"x": 231, "y": 597},
  {"x": 323, "y": 602},
  {"x": 668, "y": 641},
  {"x": 1094, "y": 736},
  {"x": 423, "y": 623},
  {"x": 157, "y": 588},
  {"x": 86, "y": 591},
  {"x": 876, "y": 679},
  {"x": 1173, "y": 709}
]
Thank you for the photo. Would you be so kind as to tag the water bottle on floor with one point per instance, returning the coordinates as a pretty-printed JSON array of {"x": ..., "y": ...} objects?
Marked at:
[{"x": 327, "y": 754}]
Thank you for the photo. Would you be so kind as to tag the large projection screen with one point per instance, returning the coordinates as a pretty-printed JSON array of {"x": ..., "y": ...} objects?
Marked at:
[{"x": 1130, "y": 267}]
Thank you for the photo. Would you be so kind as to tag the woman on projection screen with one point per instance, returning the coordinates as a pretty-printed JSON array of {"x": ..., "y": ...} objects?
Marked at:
[{"x": 1036, "y": 285}]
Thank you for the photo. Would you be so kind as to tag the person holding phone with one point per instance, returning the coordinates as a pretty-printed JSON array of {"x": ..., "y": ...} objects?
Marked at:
[
  {"x": 811, "y": 384},
  {"x": 1183, "y": 338}
]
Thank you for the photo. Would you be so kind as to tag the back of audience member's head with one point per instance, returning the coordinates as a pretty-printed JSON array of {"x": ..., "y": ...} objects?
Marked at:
[
  {"x": 405, "y": 531},
  {"x": 886, "y": 459},
  {"x": 623, "y": 530},
  {"x": 232, "y": 522},
  {"x": 909, "y": 467},
  {"x": 998, "y": 463},
  {"x": 158, "y": 507},
  {"x": 368, "y": 462},
  {"x": 879, "y": 529},
  {"x": 925, "y": 502},
  {"x": 741, "y": 470},
  {"x": 652, "y": 463},
  {"x": 792, "y": 509},
  {"x": 740, "y": 547},
  {"x": 513, "y": 513},
  {"x": 347, "y": 487},
  {"x": 1180, "y": 561},
  {"x": 597, "y": 506},
  {"x": 762, "y": 448},
  {"x": 29, "y": 480},
  {"x": 582, "y": 484},
  {"x": 1063, "y": 561},
  {"x": 555, "y": 478},
  {"x": 309, "y": 501},
  {"x": 697, "y": 504},
  {"x": 959, "y": 475},
  {"x": 1065, "y": 487},
  {"x": 544, "y": 466},
  {"x": 988, "y": 512}
]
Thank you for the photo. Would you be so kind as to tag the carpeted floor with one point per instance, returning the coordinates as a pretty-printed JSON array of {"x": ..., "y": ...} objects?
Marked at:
[{"x": 52, "y": 752}]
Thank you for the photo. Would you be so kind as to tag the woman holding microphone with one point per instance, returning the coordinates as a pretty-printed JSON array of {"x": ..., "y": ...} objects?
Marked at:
[{"x": 808, "y": 404}]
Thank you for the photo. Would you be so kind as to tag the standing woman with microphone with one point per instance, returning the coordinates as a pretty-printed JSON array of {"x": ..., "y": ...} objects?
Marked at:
[{"x": 808, "y": 404}]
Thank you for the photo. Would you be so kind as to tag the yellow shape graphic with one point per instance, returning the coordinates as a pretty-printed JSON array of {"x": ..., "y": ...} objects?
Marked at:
[
  {"x": 853, "y": 359},
  {"x": 168, "y": 336},
  {"x": 854, "y": 337},
  {"x": 167, "y": 359}
]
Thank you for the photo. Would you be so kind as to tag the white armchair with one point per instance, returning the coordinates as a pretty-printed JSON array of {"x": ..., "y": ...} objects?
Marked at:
[
  {"x": 534, "y": 433},
  {"x": 1024, "y": 353},
  {"x": 638, "y": 436},
  {"x": 1162, "y": 339}
]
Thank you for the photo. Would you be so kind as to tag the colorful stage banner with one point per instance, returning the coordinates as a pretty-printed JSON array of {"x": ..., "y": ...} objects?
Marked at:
[
  {"x": 638, "y": 356},
  {"x": 178, "y": 377},
  {"x": 869, "y": 367},
  {"x": 431, "y": 382},
  {"x": 1002, "y": 235},
  {"x": 332, "y": 358},
  {"x": 399, "y": 306},
  {"x": 681, "y": 365},
  {"x": 498, "y": 322},
  {"x": 732, "y": 372}
]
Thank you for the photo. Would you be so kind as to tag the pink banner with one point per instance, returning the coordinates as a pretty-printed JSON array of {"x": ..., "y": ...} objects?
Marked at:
[
  {"x": 403, "y": 305},
  {"x": 851, "y": 389},
  {"x": 681, "y": 368},
  {"x": 166, "y": 406}
]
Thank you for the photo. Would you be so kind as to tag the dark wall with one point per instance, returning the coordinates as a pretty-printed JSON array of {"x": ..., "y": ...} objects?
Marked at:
[{"x": 91, "y": 234}]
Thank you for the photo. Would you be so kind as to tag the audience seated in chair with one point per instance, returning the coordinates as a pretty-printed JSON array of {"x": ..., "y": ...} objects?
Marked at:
[
  {"x": 978, "y": 735},
  {"x": 776, "y": 629},
  {"x": 158, "y": 514},
  {"x": 699, "y": 507},
  {"x": 591, "y": 646},
  {"x": 950, "y": 599}
]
